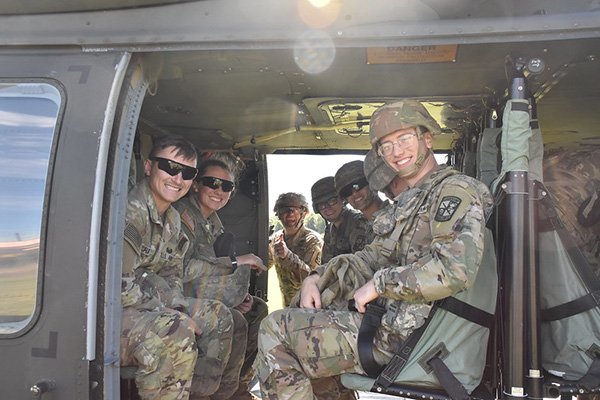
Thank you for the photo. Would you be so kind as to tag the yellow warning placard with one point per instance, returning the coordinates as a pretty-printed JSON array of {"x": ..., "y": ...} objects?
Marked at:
[{"x": 412, "y": 54}]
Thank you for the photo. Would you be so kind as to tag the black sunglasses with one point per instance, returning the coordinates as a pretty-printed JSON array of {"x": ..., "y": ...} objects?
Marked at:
[
  {"x": 215, "y": 183},
  {"x": 347, "y": 190},
  {"x": 173, "y": 168}
]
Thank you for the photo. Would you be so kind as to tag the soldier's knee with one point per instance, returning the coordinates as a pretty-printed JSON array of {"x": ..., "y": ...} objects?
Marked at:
[
  {"x": 216, "y": 317},
  {"x": 260, "y": 308},
  {"x": 239, "y": 321},
  {"x": 269, "y": 325}
]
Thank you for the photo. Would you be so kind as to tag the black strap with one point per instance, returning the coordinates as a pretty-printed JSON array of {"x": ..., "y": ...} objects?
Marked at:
[
  {"x": 370, "y": 322},
  {"x": 400, "y": 358},
  {"x": 451, "y": 385},
  {"x": 570, "y": 308},
  {"x": 519, "y": 106},
  {"x": 591, "y": 380},
  {"x": 467, "y": 311}
]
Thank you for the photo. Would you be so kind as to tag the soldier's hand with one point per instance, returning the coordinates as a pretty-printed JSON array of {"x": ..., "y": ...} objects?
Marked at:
[
  {"x": 310, "y": 296},
  {"x": 254, "y": 262},
  {"x": 197, "y": 329},
  {"x": 365, "y": 294},
  {"x": 245, "y": 305},
  {"x": 281, "y": 249}
]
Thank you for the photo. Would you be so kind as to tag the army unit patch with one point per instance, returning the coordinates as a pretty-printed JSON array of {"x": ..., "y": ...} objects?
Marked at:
[{"x": 447, "y": 208}]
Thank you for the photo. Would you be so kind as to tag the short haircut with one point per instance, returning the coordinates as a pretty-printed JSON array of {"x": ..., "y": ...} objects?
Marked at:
[
  {"x": 184, "y": 147},
  {"x": 212, "y": 162}
]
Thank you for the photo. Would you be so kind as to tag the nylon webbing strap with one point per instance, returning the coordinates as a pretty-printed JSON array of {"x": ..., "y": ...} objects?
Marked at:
[
  {"x": 591, "y": 380},
  {"x": 467, "y": 311},
  {"x": 519, "y": 106},
  {"x": 370, "y": 322},
  {"x": 570, "y": 308},
  {"x": 400, "y": 358},
  {"x": 451, "y": 385}
]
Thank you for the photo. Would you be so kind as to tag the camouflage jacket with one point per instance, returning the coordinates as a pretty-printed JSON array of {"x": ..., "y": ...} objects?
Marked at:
[
  {"x": 153, "y": 251},
  {"x": 383, "y": 209},
  {"x": 438, "y": 229},
  {"x": 304, "y": 255},
  {"x": 206, "y": 275},
  {"x": 352, "y": 236}
]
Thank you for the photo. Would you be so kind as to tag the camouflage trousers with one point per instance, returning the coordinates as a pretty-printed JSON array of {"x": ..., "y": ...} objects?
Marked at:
[
  {"x": 296, "y": 346},
  {"x": 219, "y": 363},
  {"x": 163, "y": 347},
  {"x": 254, "y": 317}
]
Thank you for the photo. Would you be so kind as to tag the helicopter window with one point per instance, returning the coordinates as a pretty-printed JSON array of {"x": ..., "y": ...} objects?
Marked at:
[{"x": 28, "y": 115}]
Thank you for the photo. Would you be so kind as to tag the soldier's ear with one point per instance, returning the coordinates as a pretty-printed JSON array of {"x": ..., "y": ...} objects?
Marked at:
[
  {"x": 428, "y": 137},
  {"x": 147, "y": 167}
]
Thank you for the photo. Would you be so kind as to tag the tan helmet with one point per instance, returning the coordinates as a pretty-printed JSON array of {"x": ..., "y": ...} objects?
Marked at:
[
  {"x": 349, "y": 173},
  {"x": 290, "y": 199},
  {"x": 322, "y": 190},
  {"x": 378, "y": 173},
  {"x": 400, "y": 115}
]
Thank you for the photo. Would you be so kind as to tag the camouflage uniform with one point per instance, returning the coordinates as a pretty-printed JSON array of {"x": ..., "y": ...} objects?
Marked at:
[
  {"x": 351, "y": 237},
  {"x": 207, "y": 276},
  {"x": 303, "y": 256},
  {"x": 160, "y": 342},
  {"x": 573, "y": 181},
  {"x": 441, "y": 222}
]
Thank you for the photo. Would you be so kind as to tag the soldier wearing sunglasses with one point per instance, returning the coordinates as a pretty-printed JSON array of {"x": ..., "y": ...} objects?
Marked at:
[
  {"x": 346, "y": 230},
  {"x": 225, "y": 278},
  {"x": 158, "y": 333},
  {"x": 352, "y": 186}
]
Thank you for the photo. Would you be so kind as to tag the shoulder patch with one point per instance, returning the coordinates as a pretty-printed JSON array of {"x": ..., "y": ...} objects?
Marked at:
[
  {"x": 447, "y": 208},
  {"x": 188, "y": 220},
  {"x": 133, "y": 237}
]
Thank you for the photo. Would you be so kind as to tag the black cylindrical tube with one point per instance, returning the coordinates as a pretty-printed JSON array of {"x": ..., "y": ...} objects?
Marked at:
[
  {"x": 516, "y": 231},
  {"x": 534, "y": 357},
  {"x": 518, "y": 88}
]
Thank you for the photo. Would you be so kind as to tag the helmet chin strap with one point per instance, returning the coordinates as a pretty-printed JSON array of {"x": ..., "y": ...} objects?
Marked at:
[{"x": 422, "y": 156}]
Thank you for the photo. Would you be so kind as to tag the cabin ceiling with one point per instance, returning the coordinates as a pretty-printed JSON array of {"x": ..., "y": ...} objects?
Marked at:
[
  {"x": 277, "y": 99},
  {"x": 287, "y": 75}
]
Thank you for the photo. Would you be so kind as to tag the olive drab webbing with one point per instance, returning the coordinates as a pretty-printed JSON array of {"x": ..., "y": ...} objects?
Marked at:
[
  {"x": 453, "y": 333},
  {"x": 521, "y": 144}
]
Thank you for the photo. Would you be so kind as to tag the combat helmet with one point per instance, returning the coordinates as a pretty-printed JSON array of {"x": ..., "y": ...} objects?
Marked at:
[
  {"x": 349, "y": 174},
  {"x": 322, "y": 190},
  {"x": 400, "y": 115},
  {"x": 291, "y": 199},
  {"x": 378, "y": 173}
]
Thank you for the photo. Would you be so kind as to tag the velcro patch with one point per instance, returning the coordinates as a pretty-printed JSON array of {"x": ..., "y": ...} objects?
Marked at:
[
  {"x": 133, "y": 237},
  {"x": 447, "y": 208}
]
